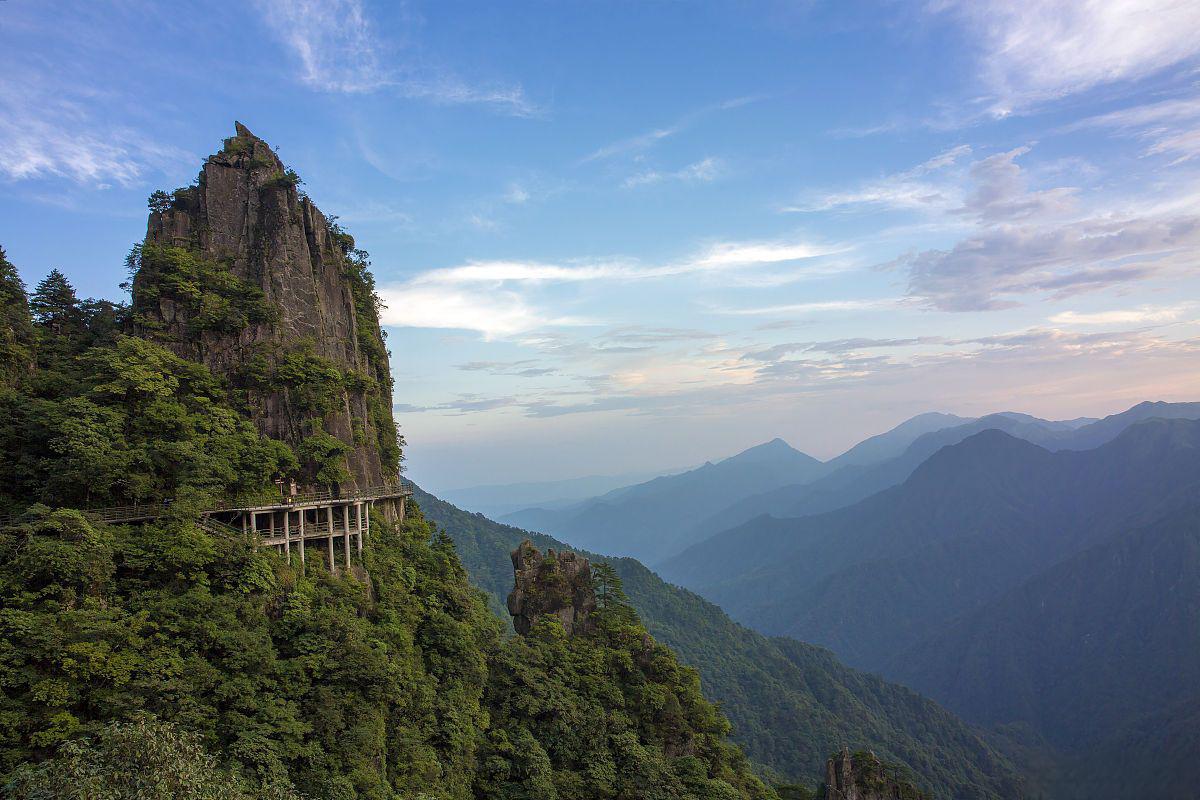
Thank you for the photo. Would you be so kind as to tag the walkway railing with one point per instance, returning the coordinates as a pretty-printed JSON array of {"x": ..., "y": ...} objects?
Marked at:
[{"x": 144, "y": 511}]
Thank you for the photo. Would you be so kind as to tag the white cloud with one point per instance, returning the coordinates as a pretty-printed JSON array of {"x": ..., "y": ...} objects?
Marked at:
[
  {"x": 516, "y": 194},
  {"x": 988, "y": 270},
  {"x": 1128, "y": 316},
  {"x": 788, "y": 309},
  {"x": 1169, "y": 127},
  {"x": 910, "y": 189},
  {"x": 339, "y": 50},
  {"x": 703, "y": 171},
  {"x": 495, "y": 314},
  {"x": 644, "y": 141},
  {"x": 1044, "y": 49},
  {"x": 501, "y": 298},
  {"x": 49, "y": 131}
]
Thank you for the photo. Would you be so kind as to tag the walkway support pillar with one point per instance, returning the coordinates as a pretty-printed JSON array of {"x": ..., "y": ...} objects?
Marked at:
[
  {"x": 329, "y": 519},
  {"x": 346, "y": 533},
  {"x": 287, "y": 534},
  {"x": 358, "y": 519}
]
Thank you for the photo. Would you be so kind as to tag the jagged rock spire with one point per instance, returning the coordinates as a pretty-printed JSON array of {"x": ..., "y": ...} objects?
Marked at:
[
  {"x": 275, "y": 300},
  {"x": 558, "y": 584}
]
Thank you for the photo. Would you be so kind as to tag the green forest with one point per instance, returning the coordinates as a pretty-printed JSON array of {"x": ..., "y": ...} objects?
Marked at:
[{"x": 164, "y": 660}]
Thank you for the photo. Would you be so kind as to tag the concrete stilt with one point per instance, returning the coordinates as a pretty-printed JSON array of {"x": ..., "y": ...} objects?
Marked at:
[
  {"x": 329, "y": 518},
  {"x": 346, "y": 533},
  {"x": 358, "y": 519},
  {"x": 302, "y": 538},
  {"x": 287, "y": 534}
]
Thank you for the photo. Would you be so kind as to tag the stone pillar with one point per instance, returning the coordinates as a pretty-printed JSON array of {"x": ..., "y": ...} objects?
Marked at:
[
  {"x": 329, "y": 518},
  {"x": 302, "y": 538},
  {"x": 358, "y": 518},
  {"x": 346, "y": 533},
  {"x": 287, "y": 534},
  {"x": 254, "y": 522}
]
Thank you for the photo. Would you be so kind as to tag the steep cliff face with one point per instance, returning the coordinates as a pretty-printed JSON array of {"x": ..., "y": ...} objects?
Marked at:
[
  {"x": 862, "y": 776},
  {"x": 243, "y": 273},
  {"x": 559, "y": 584}
]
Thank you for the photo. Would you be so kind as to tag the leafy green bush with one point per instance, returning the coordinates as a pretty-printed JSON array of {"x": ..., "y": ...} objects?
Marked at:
[
  {"x": 144, "y": 759},
  {"x": 214, "y": 298}
]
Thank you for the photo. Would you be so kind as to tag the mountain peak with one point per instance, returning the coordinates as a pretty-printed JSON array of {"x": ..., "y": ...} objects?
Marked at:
[
  {"x": 292, "y": 299},
  {"x": 774, "y": 450}
]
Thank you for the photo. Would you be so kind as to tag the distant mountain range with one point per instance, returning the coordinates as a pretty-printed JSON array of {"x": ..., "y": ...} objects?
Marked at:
[
  {"x": 1040, "y": 578},
  {"x": 651, "y": 520},
  {"x": 973, "y": 521},
  {"x": 659, "y": 519},
  {"x": 496, "y": 500},
  {"x": 791, "y": 704}
]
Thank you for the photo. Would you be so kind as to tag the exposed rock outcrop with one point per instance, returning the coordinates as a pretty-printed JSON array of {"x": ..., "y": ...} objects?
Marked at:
[
  {"x": 244, "y": 274},
  {"x": 559, "y": 584},
  {"x": 862, "y": 776}
]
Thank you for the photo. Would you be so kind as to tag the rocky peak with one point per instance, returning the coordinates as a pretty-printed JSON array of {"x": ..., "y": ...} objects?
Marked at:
[
  {"x": 862, "y": 776},
  {"x": 559, "y": 584},
  {"x": 242, "y": 272}
]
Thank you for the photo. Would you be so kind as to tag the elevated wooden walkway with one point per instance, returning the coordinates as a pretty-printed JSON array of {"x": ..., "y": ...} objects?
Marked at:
[{"x": 290, "y": 521}]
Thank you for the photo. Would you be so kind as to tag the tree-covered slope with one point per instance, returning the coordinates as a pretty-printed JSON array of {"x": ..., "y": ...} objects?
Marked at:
[
  {"x": 1079, "y": 655},
  {"x": 387, "y": 678},
  {"x": 791, "y": 704}
]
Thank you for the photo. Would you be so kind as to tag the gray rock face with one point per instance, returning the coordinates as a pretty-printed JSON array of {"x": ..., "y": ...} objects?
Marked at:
[
  {"x": 559, "y": 584},
  {"x": 862, "y": 776},
  {"x": 246, "y": 215}
]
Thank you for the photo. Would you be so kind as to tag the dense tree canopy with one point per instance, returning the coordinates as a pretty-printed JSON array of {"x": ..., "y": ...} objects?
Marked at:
[{"x": 225, "y": 670}]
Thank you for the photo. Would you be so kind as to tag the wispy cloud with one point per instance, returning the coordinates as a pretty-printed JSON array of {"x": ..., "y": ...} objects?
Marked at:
[
  {"x": 1168, "y": 127},
  {"x": 989, "y": 270},
  {"x": 500, "y": 298},
  {"x": 52, "y": 131},
  {"x": 910, "y": 189},
  {"x": 1030, "y": 241},
  {"x": 339, "y": 49},
  {"x": 644, "y": 141},
  {"x": 814, "y": 307},
  {"x": 703, "y": 171},
  {"x": 1039, "y": 51}
]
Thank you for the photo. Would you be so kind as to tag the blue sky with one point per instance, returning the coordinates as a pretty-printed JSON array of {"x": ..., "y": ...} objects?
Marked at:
[{"x": 619, "y": 237}]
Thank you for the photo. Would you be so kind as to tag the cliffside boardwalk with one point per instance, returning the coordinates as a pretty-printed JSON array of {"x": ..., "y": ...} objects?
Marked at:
[
  {"x": 318, "y": 517},
  {"x": 302, "y": 521}
]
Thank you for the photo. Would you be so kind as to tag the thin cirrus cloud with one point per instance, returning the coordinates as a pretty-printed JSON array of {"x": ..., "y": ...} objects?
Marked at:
[
  {"x": 1168, "y": 127},
  {"x": 338, "y": 49},
  {"x": 644, "y": 141},
  {"x": 911, "y": 189},
  {"x": 48, "y": 131},
  {"x": 703, "y": 171},
  {"x": 499, "y": 298},
  {"x": 1039, "y": 51},
  {"x": 814, "y": 307}
]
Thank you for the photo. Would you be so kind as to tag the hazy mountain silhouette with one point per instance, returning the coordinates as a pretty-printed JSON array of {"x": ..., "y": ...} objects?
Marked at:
[
  {"x": 975, "y": 520},
  {"x": 651, "y": 520}
]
